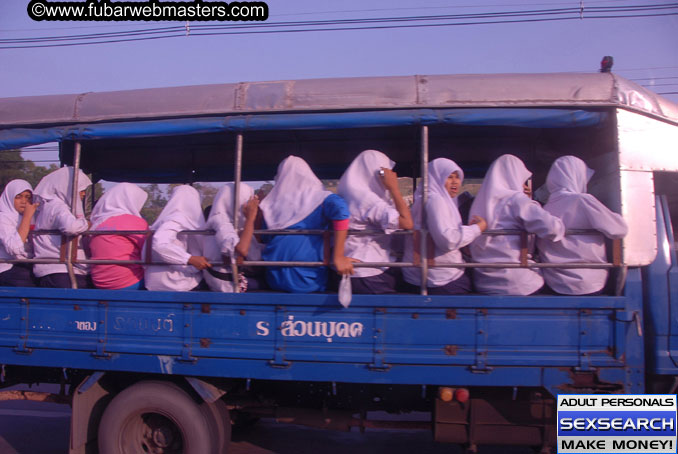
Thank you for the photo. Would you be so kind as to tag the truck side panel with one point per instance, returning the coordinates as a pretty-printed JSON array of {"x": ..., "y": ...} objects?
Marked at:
[{"x": 403, "y": 339}]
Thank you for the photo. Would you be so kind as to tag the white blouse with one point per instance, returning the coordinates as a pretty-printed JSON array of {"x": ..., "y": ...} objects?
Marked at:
[
  {"x": 444, "y": 224},
  {"x": 448, "y": 237},
  {"x": 567, "y": 181},
  {"x": 504, "y": 206},
  {"x": 11, "y": 244},
  {"x": 54, "y": 213},
  {"x": 182, "y": 212},
  {"x": 175, "y": 250},
  {"x": 371, "y": 208},
  {"x": 225, "y": 239}
]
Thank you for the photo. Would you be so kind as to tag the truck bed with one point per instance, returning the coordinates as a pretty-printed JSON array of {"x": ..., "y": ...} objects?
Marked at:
[{"x": 472, "y": 340}]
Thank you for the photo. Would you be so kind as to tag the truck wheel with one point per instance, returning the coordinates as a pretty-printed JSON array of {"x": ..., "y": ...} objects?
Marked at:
[
  {"x": 154, "y": 417},
  {"x": 220, "y": 424}
]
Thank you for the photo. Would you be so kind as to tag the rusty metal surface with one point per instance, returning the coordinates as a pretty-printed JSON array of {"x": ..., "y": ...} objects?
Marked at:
[
  {"x": 588, "y": 381},
  {"x": 34, "y": 396}
]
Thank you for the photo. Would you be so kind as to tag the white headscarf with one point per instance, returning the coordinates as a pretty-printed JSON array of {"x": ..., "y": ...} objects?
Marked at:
[
  {"x": 123, "y": 198},
  {"x": 223, "y": 204},
  {"x": 568, "y": 174},
  {"x": 504, "y": 178},
  {"x": 360, "y": 185},
  {"x": 12, "y": 189},
  {"x": 439, "y": 170},
  {"x": 297, "y": 192},
  {"x": 58, "y": 186},
  {"x": 184, "y": 208}
]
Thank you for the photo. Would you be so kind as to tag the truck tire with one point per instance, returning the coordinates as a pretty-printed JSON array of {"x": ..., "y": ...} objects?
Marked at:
[
  {"x": 220, "y": 424},
  {"x": 154, "y": 417}
]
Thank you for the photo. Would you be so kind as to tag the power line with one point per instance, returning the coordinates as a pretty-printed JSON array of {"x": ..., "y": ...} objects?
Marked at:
[
  {"x": 306, "y": 13},
  {"x": 656, "y": 78},
  {"x": 470, "y": 6},
  {"x": 645, "y": 69},
  {"x": 501, "y": 17},
  {"x": 182, "y": 34}
]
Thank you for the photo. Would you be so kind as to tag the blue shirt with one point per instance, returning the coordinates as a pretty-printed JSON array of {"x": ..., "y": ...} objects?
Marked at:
[{"x": 305, "y": 248}]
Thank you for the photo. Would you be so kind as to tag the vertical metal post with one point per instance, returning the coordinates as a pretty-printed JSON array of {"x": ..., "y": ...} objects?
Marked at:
[
  {"x": 236, "y": 199},
  {"x": 424, "y": 198},
  {"x": 75, "y": 199}
]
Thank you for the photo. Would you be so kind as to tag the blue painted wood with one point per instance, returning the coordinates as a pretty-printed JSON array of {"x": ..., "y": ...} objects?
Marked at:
[{"x": 407, "y": 339}]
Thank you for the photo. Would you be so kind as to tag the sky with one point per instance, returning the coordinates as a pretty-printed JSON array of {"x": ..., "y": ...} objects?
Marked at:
[{"x": 645, "y": 49}]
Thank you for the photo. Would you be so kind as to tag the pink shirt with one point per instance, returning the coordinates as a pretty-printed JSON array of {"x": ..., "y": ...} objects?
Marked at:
[{"x": 118, "y": 247}]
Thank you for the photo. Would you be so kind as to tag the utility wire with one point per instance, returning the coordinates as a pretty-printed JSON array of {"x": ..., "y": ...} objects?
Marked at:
[
  {"x": 645, "y": 69},
  {"x": 502, "y": 17},
  {"x": 656, "y": 78},
  {"x": 306, "y": 13},
  {"x": 182, "y": 34},
  {"x": 557, "y": 11}
]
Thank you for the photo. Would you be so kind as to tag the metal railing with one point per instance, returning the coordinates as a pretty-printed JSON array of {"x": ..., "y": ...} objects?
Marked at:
[
  {"x": 67, "y": 256},
  {"x": 421, "y": 238}
]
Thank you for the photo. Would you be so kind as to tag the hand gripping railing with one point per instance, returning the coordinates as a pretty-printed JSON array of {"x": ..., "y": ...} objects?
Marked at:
[
  {"x": 417, "y": 262},
  {"x": 423, "y": 248}
]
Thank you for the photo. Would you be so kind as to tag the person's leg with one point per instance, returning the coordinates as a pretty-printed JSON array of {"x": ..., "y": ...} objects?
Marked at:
[
  {"x": 374, "y": 285},
  {"x": 84, "y": 281},
  {"x": 256, "y": 282},
  {"x": 4, "y": 279},
  {"x": 20, "y": 275},
  {"x": 359, "y": 286},
  {"x": 62, "y": 280},
  {"x": 201, "y": 287},
  {"x": 460, "y": 286},
  {"x": 545, "y": 290},
  {"x": 405, "y": 286},
  {"x": 55, "y": 280}
]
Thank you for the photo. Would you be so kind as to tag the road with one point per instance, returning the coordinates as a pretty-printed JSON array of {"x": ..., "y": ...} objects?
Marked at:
[{"x": 43, "y": 428}]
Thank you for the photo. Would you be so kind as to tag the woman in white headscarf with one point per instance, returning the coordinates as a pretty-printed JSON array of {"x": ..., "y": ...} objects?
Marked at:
[
  {"x": 566, "y": 183},
  {"x": 118, "y": 209},
  {"x": 226, "y": 244},
  {"x": 298, "y": 201},
  {"x": 16, "y": 213},
  {"x": 503, "y": 203},
  {"x": 375, "y": 203},
  {"x": 54, "y": 193},
  {"x": 183, "y": 253},
  {"x": 446, "y": 228}
]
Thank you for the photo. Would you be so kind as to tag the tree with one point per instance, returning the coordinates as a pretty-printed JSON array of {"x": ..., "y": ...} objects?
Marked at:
[
  {"x": 263, "y": 190},
  {"x": 98, "y": 192},
  {"x": 13, "y": 166},
  {"x": 154, "y": 204},
  {"x": 207, "y": 193}
]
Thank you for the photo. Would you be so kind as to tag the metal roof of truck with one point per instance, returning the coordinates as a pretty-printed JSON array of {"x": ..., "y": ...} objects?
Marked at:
[{"x": 339, "y": 94}]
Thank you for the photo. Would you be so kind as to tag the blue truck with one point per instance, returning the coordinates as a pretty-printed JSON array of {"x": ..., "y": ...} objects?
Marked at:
[{"x": 170, "y": 372}]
